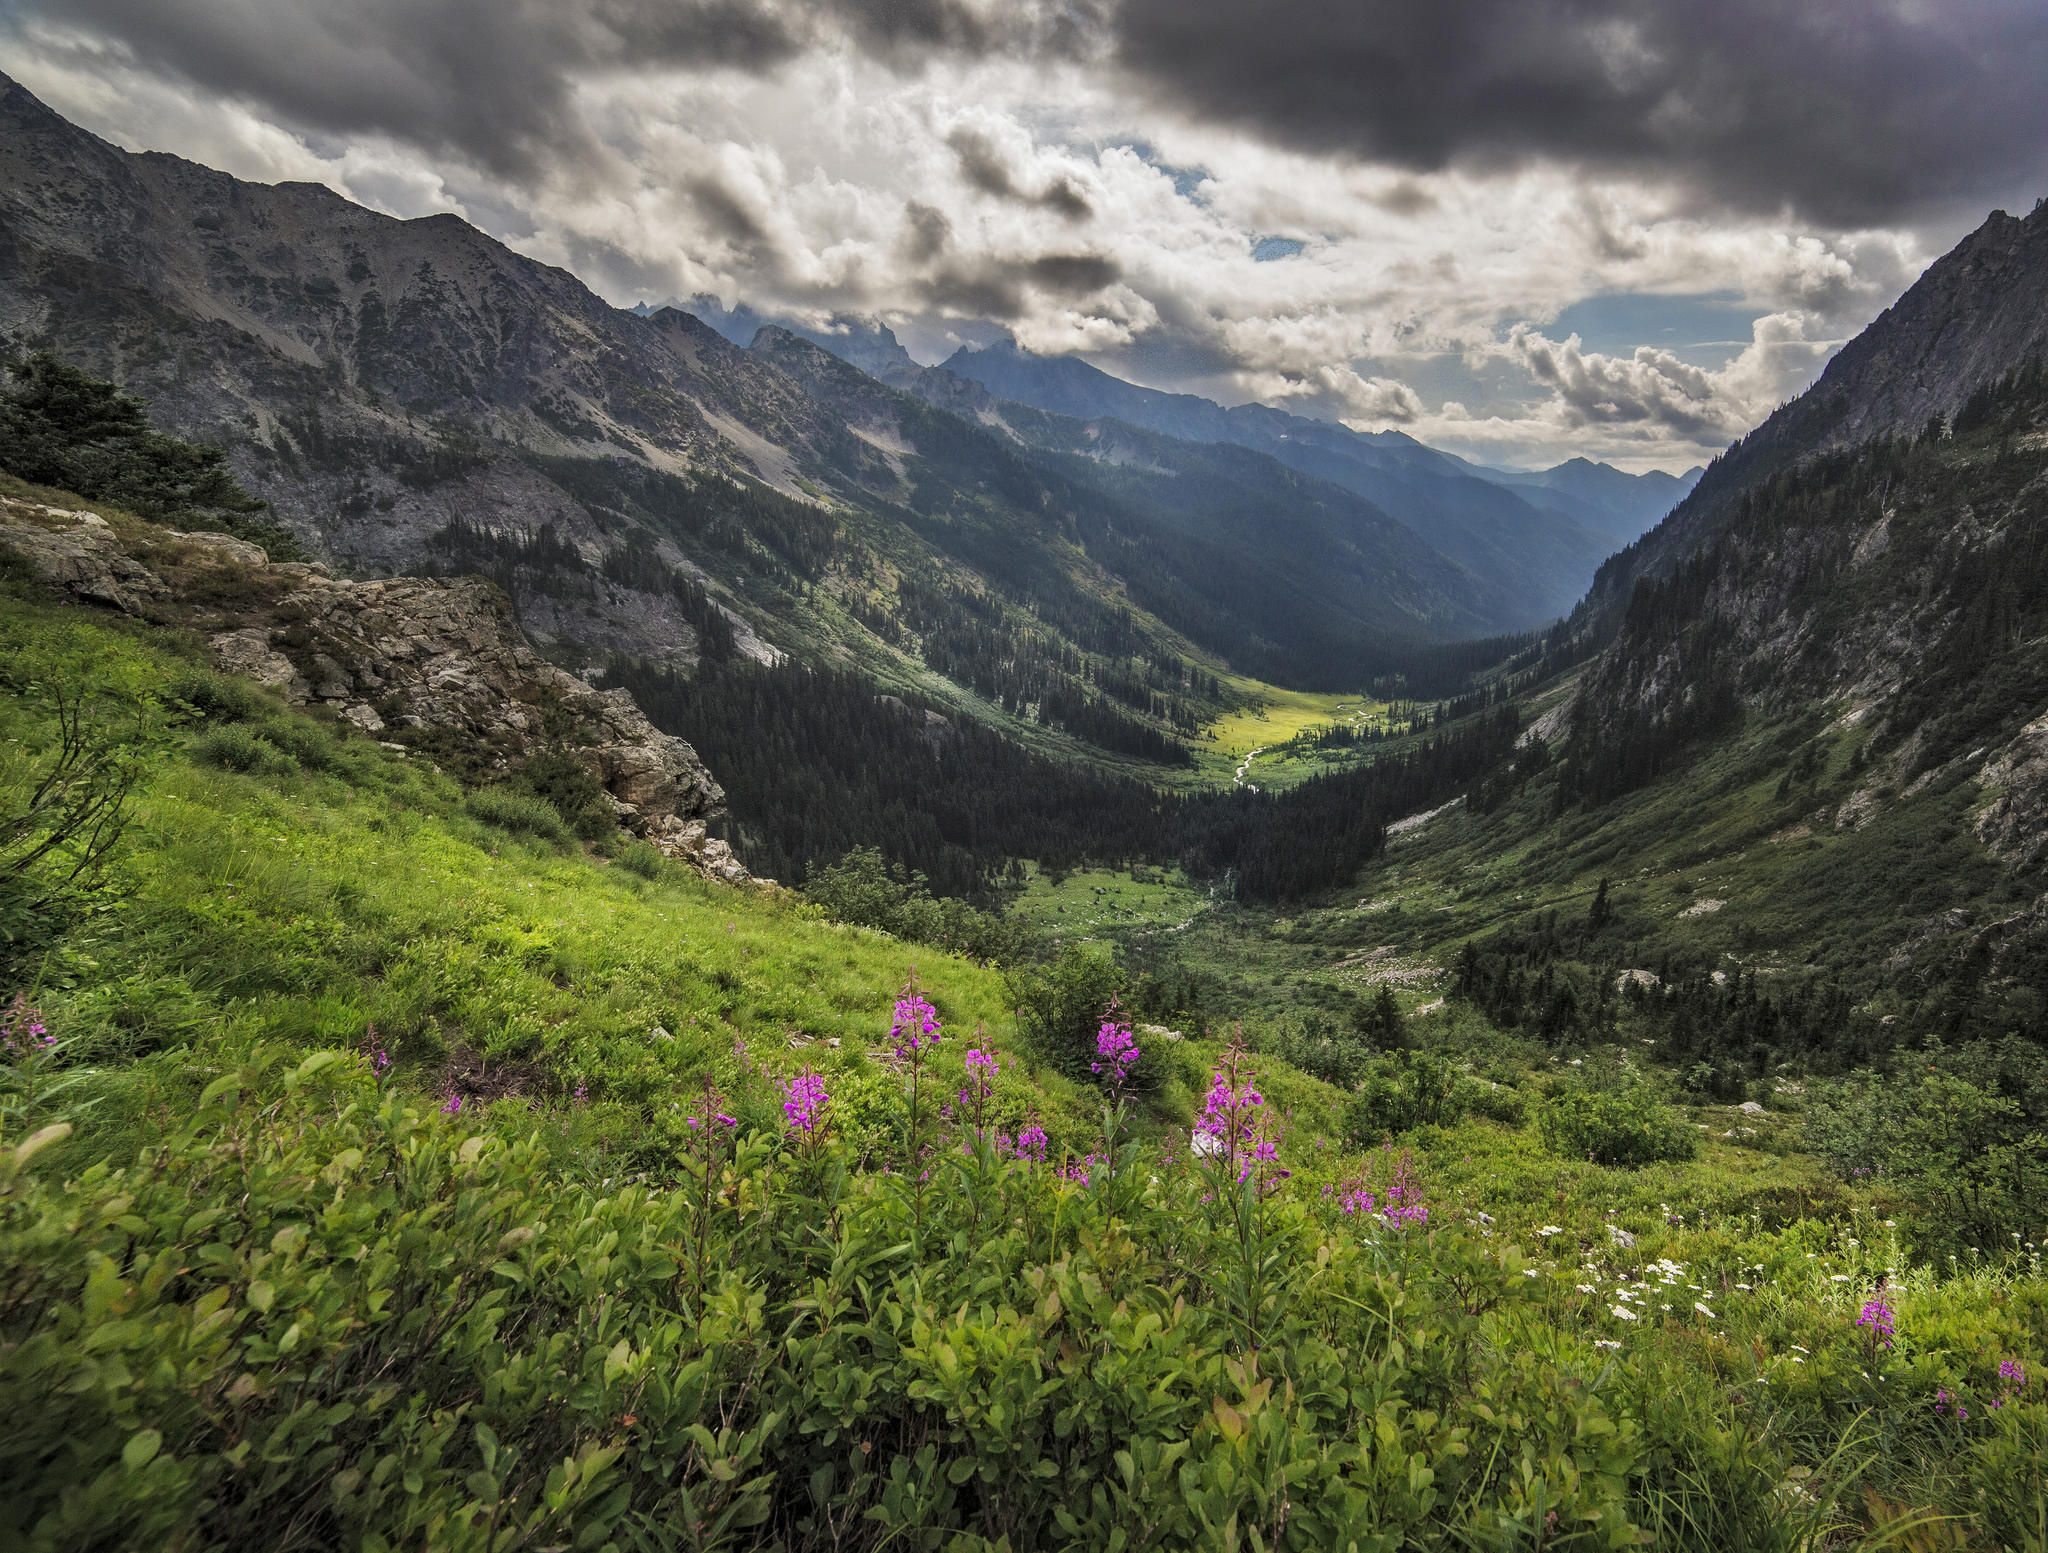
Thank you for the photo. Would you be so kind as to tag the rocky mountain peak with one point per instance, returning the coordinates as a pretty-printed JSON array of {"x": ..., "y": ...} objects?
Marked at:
[{"x": 1978, "y": 312}]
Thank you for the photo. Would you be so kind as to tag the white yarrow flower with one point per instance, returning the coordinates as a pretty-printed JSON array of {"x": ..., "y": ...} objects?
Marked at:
[{"x": 1624, "y": 1312}]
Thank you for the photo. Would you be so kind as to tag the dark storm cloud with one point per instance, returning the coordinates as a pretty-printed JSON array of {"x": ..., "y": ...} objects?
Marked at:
[
  {"x": 1000, "y": 288},
  {"x": 492, "y": 79},
  {"x": 926, "y": 232},
  {"x": 983, "y": 165},
  {"x": 726, "y": 212},
  {"x": 485, "y": 78},
  {"x": 1850, "y": 111}
]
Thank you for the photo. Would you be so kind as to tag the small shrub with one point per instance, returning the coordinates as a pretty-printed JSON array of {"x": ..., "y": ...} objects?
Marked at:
[
  {"x": 574, "y": 791},
  {"x": 1060, "y": 1011},
  {"x": 237, "y": 747},
  {"x": 521, "y": 813},
  {"x": 637, "y": 857},
  {"x": 1402, "y": 1091},
  {"x": 864, "y": 890},
  {"x": 311, "y": 745},
  {"x": 1496, "y": 1104},
  {"x": 1620, "y": 1127},
  {"x": 221, "y": 698},
  {"x": 1312, "y": 1044}
]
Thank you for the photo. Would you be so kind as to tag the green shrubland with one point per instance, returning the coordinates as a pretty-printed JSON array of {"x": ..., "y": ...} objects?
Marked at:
[{"x": 365, "y": 1183}]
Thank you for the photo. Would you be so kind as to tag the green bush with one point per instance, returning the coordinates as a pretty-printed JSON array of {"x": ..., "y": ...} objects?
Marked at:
[
  {"x": 237, "y": 747},
  {"x": 574, "y": 791},
  {"x": 1313, "y": 1043},
  {"x": 224, "y": 698},
  {"x": 638, "y": 857},
  {"x": 1622, "y": 1127},
  {"x": 1964, "y": 1138},
  {"x": 865, "y": 890},
  {"x": 1400, "y": 1091},
  {"x": 306, "y": 741},
  {"x": 1060, "y": 1009},
  {"x": 1496, "y": 1103},
  {"x": 518, "y": 811}
]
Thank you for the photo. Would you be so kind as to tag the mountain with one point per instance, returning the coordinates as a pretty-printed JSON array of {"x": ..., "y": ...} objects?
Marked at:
[
  {"x": 1621, "y": 505},
  {"x": 866, "y": 342},
  {"x": 414, "y": 396},
  {"x": 1541, "y": 534},
  {"x": 1979, "y": 311},
  {"x": 1819, "y": 690}
]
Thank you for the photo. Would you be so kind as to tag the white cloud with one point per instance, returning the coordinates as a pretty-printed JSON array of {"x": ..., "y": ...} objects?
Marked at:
[{"x": 837, "y": 183}]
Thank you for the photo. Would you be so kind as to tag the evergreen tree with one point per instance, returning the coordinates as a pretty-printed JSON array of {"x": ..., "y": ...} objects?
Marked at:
[{"x": 63, "y": 428}]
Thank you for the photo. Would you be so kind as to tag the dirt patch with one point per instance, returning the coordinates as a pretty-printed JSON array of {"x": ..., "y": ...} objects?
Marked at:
[{"x": 474, "y": 1077}]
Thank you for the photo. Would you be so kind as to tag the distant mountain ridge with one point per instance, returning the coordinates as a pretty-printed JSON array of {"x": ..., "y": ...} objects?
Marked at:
[
  {"x": 1541, "y": 534},
  {"x": 413, "y": 396}
]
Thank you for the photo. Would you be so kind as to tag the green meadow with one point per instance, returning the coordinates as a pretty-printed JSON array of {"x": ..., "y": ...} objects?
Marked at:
[{"x": 393, "y": 1171}]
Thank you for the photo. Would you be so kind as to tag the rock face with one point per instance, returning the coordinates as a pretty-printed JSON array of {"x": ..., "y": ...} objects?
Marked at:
[
  {"x": 1974, "y": 315},
  {"x": 433, "y": 663}
]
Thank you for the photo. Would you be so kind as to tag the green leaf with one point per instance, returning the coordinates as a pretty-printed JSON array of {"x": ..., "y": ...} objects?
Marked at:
[
  {"x": 262, "y": 1296},
  {"x": 36, "y": 1142},
  {"x": 314, "y": 1064},
  {"x": 141, "y": 1449},
  {"x": 229, "y": 1084}
]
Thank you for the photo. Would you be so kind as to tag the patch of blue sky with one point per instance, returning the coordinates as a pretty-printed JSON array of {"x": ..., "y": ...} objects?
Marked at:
[
  {"x": 1266, "y": 249},
  {"x": 1187, "y": 181},
  {"x": 1706, "y": 329}
]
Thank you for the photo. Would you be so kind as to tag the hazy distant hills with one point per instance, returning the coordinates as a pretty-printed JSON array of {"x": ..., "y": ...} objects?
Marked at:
[{"x": 1538, "y": 535}]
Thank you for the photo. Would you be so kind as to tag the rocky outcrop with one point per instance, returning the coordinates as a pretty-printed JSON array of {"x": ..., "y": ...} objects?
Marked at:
[
  {"x": 2014, "y": 824},
  {"x": 432, "y": 663}
]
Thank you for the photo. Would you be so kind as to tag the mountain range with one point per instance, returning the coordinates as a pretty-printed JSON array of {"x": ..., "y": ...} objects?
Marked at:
[
  {"x": 1542, "y": 533},
  {"x": 412, "y": 395}
]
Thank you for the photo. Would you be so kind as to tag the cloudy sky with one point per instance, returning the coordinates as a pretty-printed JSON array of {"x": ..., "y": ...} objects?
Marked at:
[{"x": 1520, "y": 229}]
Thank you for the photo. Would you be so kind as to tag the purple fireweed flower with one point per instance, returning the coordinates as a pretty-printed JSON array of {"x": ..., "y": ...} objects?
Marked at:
[
  {"x": 803, "y": 1103},
  {"x": 984, "y": 1062},
  {"x": 1876, "y": 1318},
  {"x": 1116, "y": 1050},
  {"x": 916, "y": 1025},
  {"x": 1031, "y": 1143},
  {"x": 22, "y": 1028},
  {"x": 2013, "y": 1373},
  {"x": 1398, "y": 1206},
  {"x": 452, "y": 1106}
]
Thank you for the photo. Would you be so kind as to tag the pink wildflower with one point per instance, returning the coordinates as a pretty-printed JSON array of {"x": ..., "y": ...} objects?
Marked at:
[
  {"x": 916, "y": 1025},
  {"x": 803, "y": 1103}
]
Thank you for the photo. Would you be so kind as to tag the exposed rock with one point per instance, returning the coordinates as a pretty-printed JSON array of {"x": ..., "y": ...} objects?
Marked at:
[
  {"x": 249, "y": 654},
  {"x": 1414, "y": 822},
  {"x": 78, "y": 553},
  {"x": 441, "y": 659},
  {"x": 1552, "y": 725},
  {"x": 1647, "y": 980},
  {"x": 2014, "y": 825}
]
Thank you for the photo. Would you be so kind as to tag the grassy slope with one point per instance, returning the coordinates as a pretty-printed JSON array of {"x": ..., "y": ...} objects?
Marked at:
[
  {"x": 359, "y": 906},
  {"x": 318, "y": 907}
]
